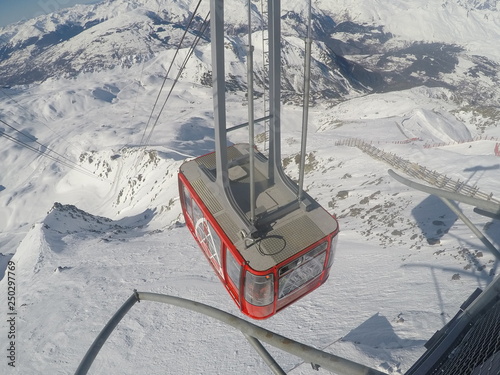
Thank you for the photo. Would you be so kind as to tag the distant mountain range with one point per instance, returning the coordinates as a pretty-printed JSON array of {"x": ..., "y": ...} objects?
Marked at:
[{"x": 351, "y": 55}]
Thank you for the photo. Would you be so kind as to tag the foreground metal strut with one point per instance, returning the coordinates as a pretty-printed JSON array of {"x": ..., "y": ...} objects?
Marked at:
[{"x": 251, "y": 331}]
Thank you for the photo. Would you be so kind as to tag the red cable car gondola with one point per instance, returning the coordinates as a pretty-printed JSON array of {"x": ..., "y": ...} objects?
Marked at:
[{"x": 268, "y": 241}]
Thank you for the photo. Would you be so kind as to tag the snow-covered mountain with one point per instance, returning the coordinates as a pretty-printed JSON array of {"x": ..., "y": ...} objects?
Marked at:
[
  {"x": 417, "y": 79},
  {"x": 121, "y": 33},
  {"x": 360, "y": 46}
]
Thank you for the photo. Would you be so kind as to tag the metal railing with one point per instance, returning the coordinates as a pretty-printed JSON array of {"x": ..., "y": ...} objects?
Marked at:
[
  {"x": 470, "y": 343},
  {"x": 418, "y": 171},
  {"x": 252, "y": 332}
]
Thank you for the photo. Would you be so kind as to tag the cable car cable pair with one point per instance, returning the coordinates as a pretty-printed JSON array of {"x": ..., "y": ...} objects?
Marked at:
[
  {"x": 44, "y": 150},
  {"x": 199, "y": 33}
]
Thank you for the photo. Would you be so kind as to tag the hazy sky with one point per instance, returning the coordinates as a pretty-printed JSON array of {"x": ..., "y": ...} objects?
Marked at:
[{"x": 15, "y": 10}]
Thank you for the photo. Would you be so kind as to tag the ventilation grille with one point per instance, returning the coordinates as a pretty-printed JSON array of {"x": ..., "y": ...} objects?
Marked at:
[
  {"x": 477, "y": 353},
  {"x": 206, "y": 196},
  {"x": 300, "y": 233}
]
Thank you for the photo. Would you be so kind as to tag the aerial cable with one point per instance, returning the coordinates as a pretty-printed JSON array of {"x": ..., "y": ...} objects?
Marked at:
[
  {"x": 65, "y": 161},
  {"x": 25, "y": 145},
  {"x": 202, "y": 30},
  {"x": 40, "y": 122},
  {"x": 34, "y": 139},
  {"x": 139, "y": 84},
  {"x": 200, "y": 33},
  {"x": 169, "y": 68},
  {"x": 53, "y": 158}
]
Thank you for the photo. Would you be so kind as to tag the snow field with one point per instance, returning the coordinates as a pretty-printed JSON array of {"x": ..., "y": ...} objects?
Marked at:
[{"x": 78, "y": 261}]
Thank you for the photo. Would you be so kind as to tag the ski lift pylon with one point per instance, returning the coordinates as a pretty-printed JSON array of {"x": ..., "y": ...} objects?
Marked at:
[{"x": 269, "y": 242}]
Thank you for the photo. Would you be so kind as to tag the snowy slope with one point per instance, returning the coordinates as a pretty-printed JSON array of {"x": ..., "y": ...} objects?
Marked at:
[
  {"x": 81, "y": 242},
  {"x": 389, "y": 290},
  {"x": 359, "y": 46},
  {"x": 471, "y": 23}
]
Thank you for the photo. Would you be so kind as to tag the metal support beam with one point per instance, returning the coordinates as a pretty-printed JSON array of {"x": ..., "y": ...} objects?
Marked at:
[
  {"x": 305, "y": 105},
  {"x": 251, "y": 136},
  {"x": 327, "y": 361},
  {"x": 245, "y": 124},
  {"x": 488, "y": 206},
  {"x": 472, "y": 227},
  {"x": 96, "y": 346},
  {"x": 456, "y": 328},
  {"x": 274, "y": 32},
  {"x": 219, "y": 98},
  {"x": 445, "y": 196},
  {"x": 259, "y": 348},
  {"x": 219, "y": 89}
]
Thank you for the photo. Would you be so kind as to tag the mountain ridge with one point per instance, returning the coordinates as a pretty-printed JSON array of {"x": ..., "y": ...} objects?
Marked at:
[
  {"x": 351, "y": 55},
  {"x": 404, "y": 263}
]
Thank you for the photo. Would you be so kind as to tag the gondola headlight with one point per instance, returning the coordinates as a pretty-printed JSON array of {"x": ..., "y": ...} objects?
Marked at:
[{"x": 259, "y": 290}]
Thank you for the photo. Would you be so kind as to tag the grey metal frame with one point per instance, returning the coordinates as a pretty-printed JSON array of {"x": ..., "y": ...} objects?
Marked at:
[
  {"x": 275, "y": 173},
  {"x": 252, "y": 332},
  {"x": 305, "y": 106},
  {"x": 219, "y": 88},
  {"x": 255, "y": 334},
  {"x": 449, "y": 335},
  {"x": 446, "y": 196},
  {"x": 251, "y": 127}
]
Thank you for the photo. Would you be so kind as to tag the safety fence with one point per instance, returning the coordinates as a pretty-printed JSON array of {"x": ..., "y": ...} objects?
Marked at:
[
  {"x": 475, "y": 139},
  {"x": 418, "y": 171},
  {"x": 442, "y": 144}
]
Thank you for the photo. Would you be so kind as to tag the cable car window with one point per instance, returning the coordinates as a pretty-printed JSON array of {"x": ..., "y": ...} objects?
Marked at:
[
  {"x": 197, "y": 214},
  {"x": 233, "y": 269},
  {"x": 301, "y": 270},
  {"x": 187, "y": 201},
  {"x": 259, "y": 290}
]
